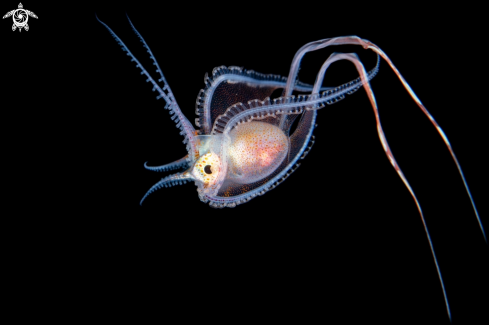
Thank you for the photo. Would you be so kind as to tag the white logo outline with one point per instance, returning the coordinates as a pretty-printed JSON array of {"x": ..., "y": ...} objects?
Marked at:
[{"x": 20, "y": 17}]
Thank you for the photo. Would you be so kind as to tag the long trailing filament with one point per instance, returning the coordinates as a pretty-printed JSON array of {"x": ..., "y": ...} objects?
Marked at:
[
  {"x": 361, "y": 70},
  {"x": 354, "y": 40},
  {"x": 376, "y": 49}
]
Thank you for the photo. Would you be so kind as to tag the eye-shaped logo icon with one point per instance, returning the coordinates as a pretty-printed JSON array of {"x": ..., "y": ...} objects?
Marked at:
[{"x": 20, "y": 17}]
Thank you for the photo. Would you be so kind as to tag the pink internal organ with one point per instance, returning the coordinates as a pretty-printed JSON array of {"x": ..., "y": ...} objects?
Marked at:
[{"x": 257, "y": 149}]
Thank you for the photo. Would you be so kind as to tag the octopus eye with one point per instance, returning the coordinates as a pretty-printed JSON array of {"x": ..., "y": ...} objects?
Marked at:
[{"x": 207, "y": 169}]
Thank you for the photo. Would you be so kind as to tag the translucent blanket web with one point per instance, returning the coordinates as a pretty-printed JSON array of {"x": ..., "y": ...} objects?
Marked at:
[{"x": 234, "y": 96}]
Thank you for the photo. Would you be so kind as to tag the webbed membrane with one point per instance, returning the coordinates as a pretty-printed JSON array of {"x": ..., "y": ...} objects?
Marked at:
[{"x": 244, "y": 148}]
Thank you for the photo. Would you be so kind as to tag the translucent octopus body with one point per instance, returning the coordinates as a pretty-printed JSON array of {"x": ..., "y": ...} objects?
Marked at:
[
  {"x": 245, "y": 146},
  {"x": 252, "y": 142}
]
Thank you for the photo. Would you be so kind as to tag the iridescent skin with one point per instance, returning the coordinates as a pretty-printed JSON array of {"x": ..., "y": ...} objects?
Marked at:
[{"x": 244, "y": 146}]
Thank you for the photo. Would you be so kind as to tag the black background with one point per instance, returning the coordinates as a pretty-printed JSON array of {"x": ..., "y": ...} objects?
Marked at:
[{"x": 340, "y": 238}]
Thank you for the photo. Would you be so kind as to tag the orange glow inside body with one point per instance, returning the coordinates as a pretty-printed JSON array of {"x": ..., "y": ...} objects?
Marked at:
[{"x": 256, "y": 150}]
